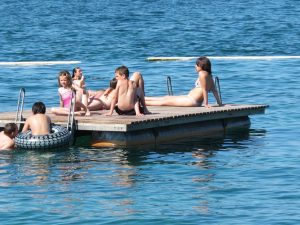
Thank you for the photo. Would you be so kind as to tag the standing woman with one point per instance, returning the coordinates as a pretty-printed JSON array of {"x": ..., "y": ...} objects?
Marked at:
[{"x": 198, "y": 95}]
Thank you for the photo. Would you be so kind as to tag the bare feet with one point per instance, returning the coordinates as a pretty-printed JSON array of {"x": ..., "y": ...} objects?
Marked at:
[{"x": 87, "y": 113}]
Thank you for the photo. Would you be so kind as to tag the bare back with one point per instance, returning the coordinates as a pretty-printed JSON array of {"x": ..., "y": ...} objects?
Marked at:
[
  {"x": 126, "y": 90},
  {"x": 39, "y": 124}
]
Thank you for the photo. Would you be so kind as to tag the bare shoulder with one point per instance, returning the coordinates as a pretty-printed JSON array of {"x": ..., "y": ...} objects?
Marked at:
[
  {"x": 30, "y": 118},
  {"x": 204, "y": 74}
]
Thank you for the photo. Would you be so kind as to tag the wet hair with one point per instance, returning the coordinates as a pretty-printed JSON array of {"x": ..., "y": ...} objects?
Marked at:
[
  {"x": 123, "y": 70},
  {"x": 113, "y": 83},
  {"x": 204, "y": 63},
  {"x": 65, "y": 73},
  {"x": 10, "y": 128},
  {"x": 38, "y": 107},
  {"x": 74, "y": 71}
]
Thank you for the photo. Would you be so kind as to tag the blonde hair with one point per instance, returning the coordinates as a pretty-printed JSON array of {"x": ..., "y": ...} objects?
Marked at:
[{"x": 66, "y": 74}]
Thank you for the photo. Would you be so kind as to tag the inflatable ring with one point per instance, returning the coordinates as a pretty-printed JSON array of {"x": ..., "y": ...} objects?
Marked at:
[{"x": 59, "y": 137}]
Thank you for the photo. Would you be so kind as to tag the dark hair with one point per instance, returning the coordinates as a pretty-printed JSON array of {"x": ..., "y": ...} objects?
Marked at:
[
  {"x": 74, "y": 71},
  {"x": 38, "y": 107},
  {"x": 65, "y": 73},
  {"x": 10, "y": 128},
  {"x": 123, "y": 70},
  {"x": 113, "y": 83},
  {"x": 204, "y": 63}
]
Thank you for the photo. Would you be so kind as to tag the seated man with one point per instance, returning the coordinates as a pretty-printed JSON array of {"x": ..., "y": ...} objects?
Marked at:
[
  {"x": 38, "y": 123},
  {"x": 126, "y": 96},
  {"x": 7, "y": 135}
]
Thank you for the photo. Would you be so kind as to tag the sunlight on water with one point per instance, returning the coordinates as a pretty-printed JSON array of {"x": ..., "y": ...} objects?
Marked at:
[{"x": 240, "y": 177}]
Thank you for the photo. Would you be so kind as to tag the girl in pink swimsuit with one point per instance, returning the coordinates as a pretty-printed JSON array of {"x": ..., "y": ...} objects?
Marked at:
[{"x": 65, "y": 92}]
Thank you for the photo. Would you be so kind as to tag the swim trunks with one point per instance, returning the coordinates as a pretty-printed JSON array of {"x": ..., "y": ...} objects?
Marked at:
[{"x": 130, "y": 112}]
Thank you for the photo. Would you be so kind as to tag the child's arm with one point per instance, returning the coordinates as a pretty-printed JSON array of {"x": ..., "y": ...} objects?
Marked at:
[
  {"x": 76, "y": 87},
  {"x": 96, "y": 94},
  {"x": 203, "y": 83},
  {"x": 107, "y": 91},
  {"x": 50, "y": 124},
  {"x": 113, "y": 102},
  {"x": 81, "y": 82},
  {"x": 26, "y": 126}
]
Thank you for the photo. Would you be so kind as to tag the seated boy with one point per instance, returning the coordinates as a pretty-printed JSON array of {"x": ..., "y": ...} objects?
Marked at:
[
  {"x": 7, "y": 135},
  {"x": 38, "y": 123},
  {"x": 126, "y": 98}
]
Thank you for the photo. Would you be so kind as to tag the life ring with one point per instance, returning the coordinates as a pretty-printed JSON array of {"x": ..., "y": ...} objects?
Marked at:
[{"x": 59, "y": 137}]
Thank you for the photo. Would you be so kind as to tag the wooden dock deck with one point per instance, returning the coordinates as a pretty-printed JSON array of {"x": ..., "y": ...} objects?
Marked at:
[{"x": 165, "y": 123}]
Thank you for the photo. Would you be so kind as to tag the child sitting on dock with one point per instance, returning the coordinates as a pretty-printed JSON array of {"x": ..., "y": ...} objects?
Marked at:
[
  {"x": 82, "y": 94},
  {"x": 65, "y": 92},
  {"x": 126, "y": 100},
  {"x": 102, "y": 99},
  {"x": 198, "y": 95},
  {"x": 7, "y": 136},
  {"x": 79, "y": 85},
  {"x": 39, "y": 123}
]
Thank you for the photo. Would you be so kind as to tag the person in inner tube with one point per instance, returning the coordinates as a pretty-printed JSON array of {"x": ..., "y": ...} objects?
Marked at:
[
  {"x": 7, "y": 136},
  {"x": 39, "y": 123}
]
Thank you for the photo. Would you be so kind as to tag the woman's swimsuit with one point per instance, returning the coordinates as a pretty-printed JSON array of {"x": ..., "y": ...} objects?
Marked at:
[
  {"x": 194, "y": 102},
  {"x": 66, "y": 96}
]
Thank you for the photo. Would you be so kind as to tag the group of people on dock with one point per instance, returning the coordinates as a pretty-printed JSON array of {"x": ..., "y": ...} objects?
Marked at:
[{"x": 125, "y": 95}]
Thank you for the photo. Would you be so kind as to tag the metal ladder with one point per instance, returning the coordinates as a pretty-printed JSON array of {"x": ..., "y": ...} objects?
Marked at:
[
  {"x": 169, "y": 86},
  {"x": 20, "y": 107},
  {"x": 217, "y": 84},
  {"x": 70, "y": 124}
]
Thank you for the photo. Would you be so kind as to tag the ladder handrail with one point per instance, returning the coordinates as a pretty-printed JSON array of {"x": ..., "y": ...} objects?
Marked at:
[
  {"x": 20, "y": 106},
  {"x": 70, "y": 124},
  {"x": 169, "y": 85},
  {"x": 217, "y": 83}
]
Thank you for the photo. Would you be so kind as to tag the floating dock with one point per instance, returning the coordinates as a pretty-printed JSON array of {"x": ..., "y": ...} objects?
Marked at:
[{"x": 163, "y": 125}]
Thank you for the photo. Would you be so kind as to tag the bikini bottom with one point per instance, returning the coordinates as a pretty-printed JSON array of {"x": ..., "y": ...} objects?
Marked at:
[{"x": 194, "y": 102}]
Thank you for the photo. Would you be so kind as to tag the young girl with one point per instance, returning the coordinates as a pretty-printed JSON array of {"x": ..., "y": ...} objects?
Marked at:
[
  {"x": 198, "y": 95},
  {"x": 82, "y": 94},
  {"x": 65, "y": 92}
]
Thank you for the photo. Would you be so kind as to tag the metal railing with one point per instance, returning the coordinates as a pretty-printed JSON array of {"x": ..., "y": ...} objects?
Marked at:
[
  {"x": 169, "y": 86},
  {"x": 71, "y": 120},
  {"x": 20, "y": 106},
  {"x": 217, "y": 84}
]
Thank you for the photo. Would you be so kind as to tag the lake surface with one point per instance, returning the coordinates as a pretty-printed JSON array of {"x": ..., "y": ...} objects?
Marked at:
[{"x": 244, "y": 177}]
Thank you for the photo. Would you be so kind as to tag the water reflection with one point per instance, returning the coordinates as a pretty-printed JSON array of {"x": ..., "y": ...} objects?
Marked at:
[{"x": 117, "y": 180}]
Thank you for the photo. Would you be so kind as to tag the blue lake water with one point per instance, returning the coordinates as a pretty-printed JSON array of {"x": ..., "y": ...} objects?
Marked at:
[{"x": 246, "y": 177}]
